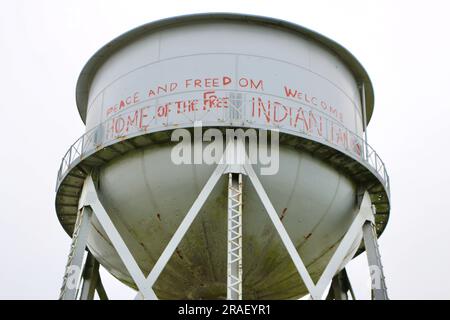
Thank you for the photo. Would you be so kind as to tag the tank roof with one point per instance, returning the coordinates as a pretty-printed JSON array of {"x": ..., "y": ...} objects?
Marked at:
[{"x": 95, "y": 62}]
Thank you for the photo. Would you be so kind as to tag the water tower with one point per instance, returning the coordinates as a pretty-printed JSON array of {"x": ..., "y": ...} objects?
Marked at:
[{"x": 222, "y": 230}]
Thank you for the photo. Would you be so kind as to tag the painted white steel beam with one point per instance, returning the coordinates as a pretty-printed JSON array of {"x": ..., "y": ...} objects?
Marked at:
[
  {"x": 281, "y": 231},
  {"x": 117, "y": 241},
  {"x": 145, "y": 284},
  {"x": 184, "y": 226}
]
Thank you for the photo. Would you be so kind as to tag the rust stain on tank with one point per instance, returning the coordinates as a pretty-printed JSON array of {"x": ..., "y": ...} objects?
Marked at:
[
  {"x": 177, "y": 251},
  {"x": 283, "y": 213}
]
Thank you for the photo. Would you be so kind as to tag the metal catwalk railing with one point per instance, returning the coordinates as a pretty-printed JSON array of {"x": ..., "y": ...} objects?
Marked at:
[{"x": 352, "y": 144}]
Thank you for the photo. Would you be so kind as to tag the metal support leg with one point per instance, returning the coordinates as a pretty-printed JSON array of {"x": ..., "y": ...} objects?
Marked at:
[
  {"x": 101, "y": 290},
  {"x": 340, "y": 286},
  {"x": 379, "y": 290},
  {"x": 234, "y": 281},
  {"x": 341, "y": 252},
  {"x": 90, "y": 278},
  {"x": 234, "y": 270},
  {"x": 336, "y": 291},
  {"x": 72, "y": 273}
]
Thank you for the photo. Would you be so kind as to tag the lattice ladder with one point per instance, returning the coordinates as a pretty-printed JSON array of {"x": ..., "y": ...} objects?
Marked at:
[{"x": 234, "y": 279}]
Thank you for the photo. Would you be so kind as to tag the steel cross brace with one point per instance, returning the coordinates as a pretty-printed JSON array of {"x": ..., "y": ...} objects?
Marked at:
[
  {"x": 364, "y": 217},
  {"x": 230, "y": 163},
  {"x": 145, "y": 284}
]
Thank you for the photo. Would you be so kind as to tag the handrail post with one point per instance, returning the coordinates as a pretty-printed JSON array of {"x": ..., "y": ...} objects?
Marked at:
[{"x": 364, "y": 113}]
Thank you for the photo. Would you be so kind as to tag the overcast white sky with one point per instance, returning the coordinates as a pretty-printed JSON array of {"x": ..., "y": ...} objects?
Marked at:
[{"x": 404, "y": 46}]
